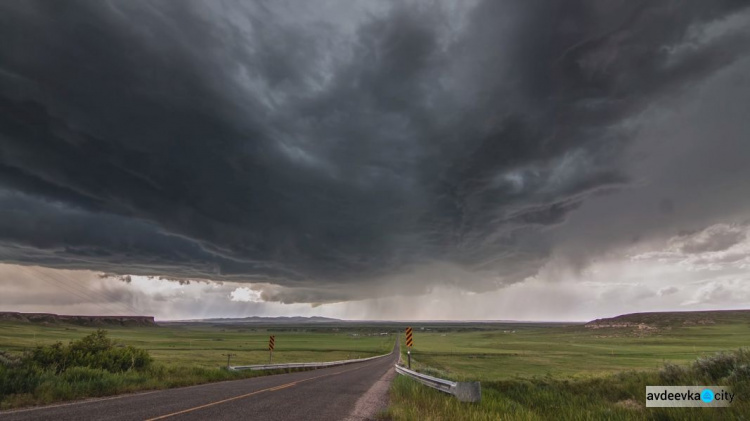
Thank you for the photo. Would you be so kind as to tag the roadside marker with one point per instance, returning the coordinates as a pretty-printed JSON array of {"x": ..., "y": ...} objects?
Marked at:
[
  {"x": 409, "y": 337},
  {"x": 271, "y": 344},
  {"x": 409, "y": 343}
]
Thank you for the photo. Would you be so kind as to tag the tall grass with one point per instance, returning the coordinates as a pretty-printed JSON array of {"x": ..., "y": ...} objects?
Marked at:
[
  {"x": 614, "y": 397},
  {"x": 19, "y": 388}
]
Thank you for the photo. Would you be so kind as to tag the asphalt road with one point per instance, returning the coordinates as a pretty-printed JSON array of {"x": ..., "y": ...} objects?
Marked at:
[{"x": 350, "y": 392}]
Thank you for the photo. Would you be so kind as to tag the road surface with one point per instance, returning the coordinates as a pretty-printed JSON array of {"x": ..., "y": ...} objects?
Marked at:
[{"x": 350, "y": 392}]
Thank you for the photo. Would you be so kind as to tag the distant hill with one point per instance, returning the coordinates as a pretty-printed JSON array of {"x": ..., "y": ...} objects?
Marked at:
[
  {"x": 93, "y": 321},
  {"x": 657, "y": 320},
  {"x": 294, "y": 320}
]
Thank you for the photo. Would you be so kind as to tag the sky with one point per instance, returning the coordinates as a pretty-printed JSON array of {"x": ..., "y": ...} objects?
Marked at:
[{"x": 485, "y": 159}]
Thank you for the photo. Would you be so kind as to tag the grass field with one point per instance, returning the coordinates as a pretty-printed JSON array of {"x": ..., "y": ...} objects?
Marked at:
[
  {"x": 183, "y": 355},
  {"x": 528, "y": 371},
  {"x": 203, "y": 346},
  {"x": 533, "y": 372},
  {"x": 568, "y": 351}
]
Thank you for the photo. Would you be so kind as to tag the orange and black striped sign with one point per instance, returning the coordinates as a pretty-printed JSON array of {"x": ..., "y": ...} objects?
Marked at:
[
  {"x": 409, "y": 337},
  {"x": 271, "y": 342}
]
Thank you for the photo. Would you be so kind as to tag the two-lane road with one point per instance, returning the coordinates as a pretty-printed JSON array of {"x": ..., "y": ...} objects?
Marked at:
[{"x": 356, "y": 391}]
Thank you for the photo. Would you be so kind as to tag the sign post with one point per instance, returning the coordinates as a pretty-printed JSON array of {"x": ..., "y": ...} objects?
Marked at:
[
  {"x": 229, "y": 357},
  {"x": 271, "y": 343},
  {"x": 409, "y": 343}
]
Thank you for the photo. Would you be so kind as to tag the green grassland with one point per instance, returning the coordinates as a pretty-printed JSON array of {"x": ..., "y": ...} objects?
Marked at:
[
  {"x": 183, "y": 354},
  {"x": 202, "y": 346},
  {"x": 568, "y": 351},
  {"x": 531, "y": 372}
]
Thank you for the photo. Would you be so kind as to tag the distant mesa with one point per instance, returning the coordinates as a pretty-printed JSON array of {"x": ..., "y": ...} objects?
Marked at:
[
  {"x": 263, "y": 320},
  {"x": 92, "y": 321},
  {"x": 666, "y": 320}
]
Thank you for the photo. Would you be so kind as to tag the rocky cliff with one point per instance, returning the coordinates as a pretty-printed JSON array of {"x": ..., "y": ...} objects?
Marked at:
[
  {"x": 103, "y": 321},
  {"x": 670, "y": 319}
]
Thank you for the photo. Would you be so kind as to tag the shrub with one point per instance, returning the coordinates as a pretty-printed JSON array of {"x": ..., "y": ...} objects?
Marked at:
[
  {"x": 93, "y": 351},
  {"x": 673, "y": 374},
  {"x": 716, "y": 367},
  {"x": 18, "y": 379},
  {"x": 740, "y": 373},
  {"x": 51, "y": 357}
]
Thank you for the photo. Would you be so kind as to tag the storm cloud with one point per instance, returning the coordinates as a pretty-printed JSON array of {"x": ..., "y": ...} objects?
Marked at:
[{"x": 328, "y": 149}]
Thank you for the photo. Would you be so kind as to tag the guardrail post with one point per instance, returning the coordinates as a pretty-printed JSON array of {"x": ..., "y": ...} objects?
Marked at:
[{"x": 229, "y": 357}]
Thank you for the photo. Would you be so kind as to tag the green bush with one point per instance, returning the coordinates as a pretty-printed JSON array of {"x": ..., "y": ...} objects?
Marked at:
[
  {"x": 91, "y": 366},
  {"x": 716, "y": 367},
  {"x": 93, "y": 351},
  {"x": 18, "y": 379},
  {"x": 740, "y": 373},
  {"x": 673, "y": 374}
]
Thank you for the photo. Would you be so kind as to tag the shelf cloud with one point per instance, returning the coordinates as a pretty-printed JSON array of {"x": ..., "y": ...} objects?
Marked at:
[{"x": 328, "y": 151}]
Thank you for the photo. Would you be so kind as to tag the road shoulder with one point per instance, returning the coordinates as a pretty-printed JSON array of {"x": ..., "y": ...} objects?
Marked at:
[{"x": 374, "y": 400}]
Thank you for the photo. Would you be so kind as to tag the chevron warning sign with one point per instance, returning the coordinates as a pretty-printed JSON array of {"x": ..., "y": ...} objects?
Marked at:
[
  {"x": 409, "y": 337},
  {"x": 271, "y": 342}
]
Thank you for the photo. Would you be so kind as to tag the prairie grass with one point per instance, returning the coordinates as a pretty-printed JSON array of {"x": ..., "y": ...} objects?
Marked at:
[
  {"x": 569, "y": 351},
  {"x": 46, "y": 387},
  {"x": 531, "y": 372},
  {"x": 618, "y": 396}
]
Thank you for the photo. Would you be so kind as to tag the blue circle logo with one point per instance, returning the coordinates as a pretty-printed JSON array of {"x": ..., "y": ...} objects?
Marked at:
[{"x": 707, "y": 395}]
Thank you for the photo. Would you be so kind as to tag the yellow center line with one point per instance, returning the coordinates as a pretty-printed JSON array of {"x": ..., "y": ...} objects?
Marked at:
[{"x": 270, "y": 389}]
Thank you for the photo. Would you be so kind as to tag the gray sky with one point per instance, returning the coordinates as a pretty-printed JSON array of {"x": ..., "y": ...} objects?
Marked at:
[{"x": 470, "y": 160}]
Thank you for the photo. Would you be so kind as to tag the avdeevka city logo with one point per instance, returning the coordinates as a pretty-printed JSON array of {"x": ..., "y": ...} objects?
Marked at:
[{"x": 688, "y": 396}]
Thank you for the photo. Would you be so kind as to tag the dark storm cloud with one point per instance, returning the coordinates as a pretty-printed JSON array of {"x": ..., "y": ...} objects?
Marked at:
[{"x": 314, "y": 148}]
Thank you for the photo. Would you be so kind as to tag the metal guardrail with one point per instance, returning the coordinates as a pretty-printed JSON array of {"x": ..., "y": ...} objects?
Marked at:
[
  {"x": 463, "y": 391},
  {"x": 303, "y": 365}
]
